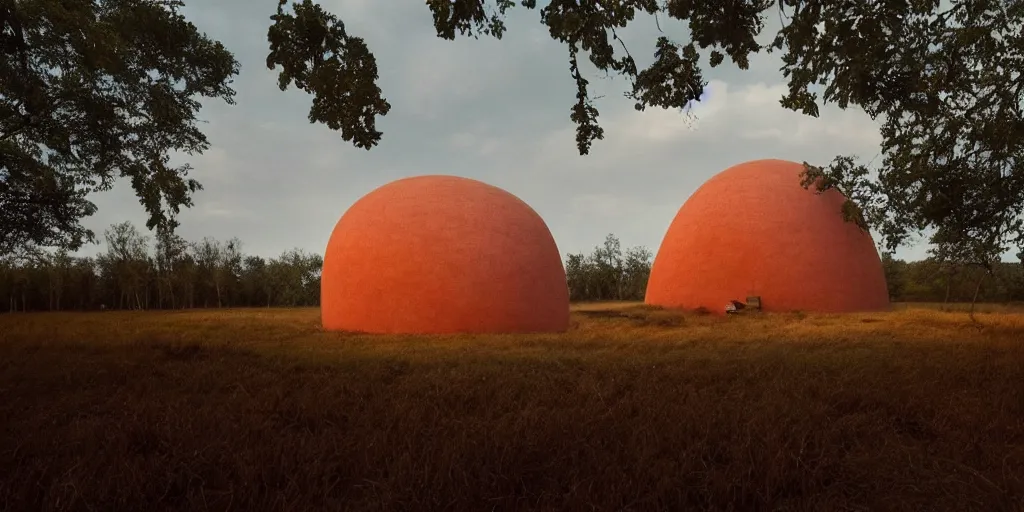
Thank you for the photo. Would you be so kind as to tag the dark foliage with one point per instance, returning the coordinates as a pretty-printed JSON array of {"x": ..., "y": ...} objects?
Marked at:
[
  {"x": 608, "y": 273},
  {"x": 948, "y": 87},
  {"x": 316, "y": 54},
  {"x": 94, "y": 90},
  {"x": 171, "y": 274}
]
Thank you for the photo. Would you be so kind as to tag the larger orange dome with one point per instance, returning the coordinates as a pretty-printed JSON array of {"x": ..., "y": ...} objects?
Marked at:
[
  {"x": 753, "y": 230},
  {"x": 442, "y": 254}
]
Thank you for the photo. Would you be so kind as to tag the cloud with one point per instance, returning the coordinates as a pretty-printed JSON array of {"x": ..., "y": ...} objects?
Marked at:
[{"x": 749, "y": 113}]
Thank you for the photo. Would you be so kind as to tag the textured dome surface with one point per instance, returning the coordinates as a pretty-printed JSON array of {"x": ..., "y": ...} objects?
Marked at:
[
  {"x": 752, "y": 230},
  {"x": 443, "y": 254}
]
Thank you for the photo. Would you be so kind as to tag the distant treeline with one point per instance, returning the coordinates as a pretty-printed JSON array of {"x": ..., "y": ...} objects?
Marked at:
[
  {"x": 931, "y": 280},
  {"x": 173, "y": 273}
]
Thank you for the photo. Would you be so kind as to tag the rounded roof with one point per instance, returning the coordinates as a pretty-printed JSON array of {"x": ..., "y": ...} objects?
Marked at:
[
  {"x": 753, "y": 230},
  {"x": 442, "y": 254}
]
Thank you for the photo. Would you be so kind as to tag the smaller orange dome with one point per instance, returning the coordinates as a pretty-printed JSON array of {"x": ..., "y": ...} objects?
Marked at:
[{"x": 442, "y": 254}]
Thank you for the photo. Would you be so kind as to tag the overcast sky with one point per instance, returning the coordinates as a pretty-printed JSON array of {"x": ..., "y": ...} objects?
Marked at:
[{"x": 496, "y": 111}]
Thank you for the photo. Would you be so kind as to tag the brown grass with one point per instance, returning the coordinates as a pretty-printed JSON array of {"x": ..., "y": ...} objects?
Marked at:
[
  {"x": 985, "y": 307},
  {"x": 634, "y": 409}
]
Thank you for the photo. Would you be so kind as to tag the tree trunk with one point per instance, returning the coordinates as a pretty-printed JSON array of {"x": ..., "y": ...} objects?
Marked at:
[
  {"x": 949, "y": 282},
  {"x": 974, "y": 300}
]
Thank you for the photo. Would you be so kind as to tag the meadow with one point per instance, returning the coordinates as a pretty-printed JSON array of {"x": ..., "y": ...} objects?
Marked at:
[{"x": 633, "y": 409}]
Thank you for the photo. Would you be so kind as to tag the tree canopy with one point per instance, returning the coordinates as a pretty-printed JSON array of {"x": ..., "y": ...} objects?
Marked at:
[
  {"x": 948, "y": 86},
  {"x": 93, "y": 89}
]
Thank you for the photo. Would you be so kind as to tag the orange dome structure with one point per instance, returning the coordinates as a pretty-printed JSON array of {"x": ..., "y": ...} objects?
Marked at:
[
  {"x": 753, "y": 230},
  {"x": 442, "y": 254}
]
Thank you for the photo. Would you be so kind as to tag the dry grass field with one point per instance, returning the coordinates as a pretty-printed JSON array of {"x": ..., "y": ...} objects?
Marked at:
[{"x": 633, "y": 409}]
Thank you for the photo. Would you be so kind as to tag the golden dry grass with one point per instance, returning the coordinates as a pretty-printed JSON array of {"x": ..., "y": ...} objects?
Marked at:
[
  {"x": 1012, "y": 307},
  {"x": 633, "y": 409}
]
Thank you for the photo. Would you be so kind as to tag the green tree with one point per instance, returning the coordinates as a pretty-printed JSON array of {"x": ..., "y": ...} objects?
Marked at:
[
  {"x": 636, "y": 272},
  {"x": 576, "y": 276},
  {"x": 608, "y": 273},
  {"x": 170, "y": 249},
  {"x": 895, "y": 275},
  {"x": 950, "y": 96},
  {"x": 256, "y": 284},
  {"x": 126, "y": 265},
  {"x": 58, "y": 266},
  {"x": 93, "y": 90},
  {"x": 960, "y": 247}
]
